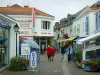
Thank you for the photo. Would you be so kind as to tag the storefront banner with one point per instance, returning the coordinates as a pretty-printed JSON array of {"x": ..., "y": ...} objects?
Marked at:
[
  {"x": 5, "y": 24},
  {"x": 33, "y": 59},
  {"x": 25, "y": 49},
  {"x": 25, "y": 23}
]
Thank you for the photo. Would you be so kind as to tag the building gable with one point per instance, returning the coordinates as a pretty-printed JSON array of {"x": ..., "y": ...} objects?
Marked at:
[{"x": 84, "y": 10}]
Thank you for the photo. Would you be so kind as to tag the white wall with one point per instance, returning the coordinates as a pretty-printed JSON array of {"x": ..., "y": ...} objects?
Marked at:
[
  {"x": 61, "y": 29},
  {"x": 81, "y": 21},
  {"x": 92, "y": 23},
  {"x": 12, "y": 43},
  {"x": 42, "y": 32},
  {"x": 56, "y": 34},
  {"x": 67, "y": 30}
]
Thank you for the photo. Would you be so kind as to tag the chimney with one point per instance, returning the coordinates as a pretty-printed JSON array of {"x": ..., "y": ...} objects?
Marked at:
[{"x": 26, "y": 6}]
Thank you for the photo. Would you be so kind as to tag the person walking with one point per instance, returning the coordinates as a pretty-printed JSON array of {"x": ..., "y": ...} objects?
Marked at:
[
  {"x": 53, "y": 51},
  {"x": 49, "y": 53},
  {"x": 62, "y": 53},
  {"x": 69, "y": 51}
]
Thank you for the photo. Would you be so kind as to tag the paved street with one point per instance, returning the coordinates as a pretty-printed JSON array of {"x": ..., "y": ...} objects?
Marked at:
[{"x": 53, "y": 68}]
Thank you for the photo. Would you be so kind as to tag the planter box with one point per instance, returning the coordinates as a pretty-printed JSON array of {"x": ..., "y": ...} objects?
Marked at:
[{"x": 87, "y": 68}]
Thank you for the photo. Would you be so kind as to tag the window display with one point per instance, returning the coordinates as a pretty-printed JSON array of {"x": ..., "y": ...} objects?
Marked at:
[{"x": 3, "y": 47}]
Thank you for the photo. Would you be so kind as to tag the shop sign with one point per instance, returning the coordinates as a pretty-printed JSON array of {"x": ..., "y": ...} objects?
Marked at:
[
  {"x": 5, "y": 24},
  {"x": 33, "y": 59},
  {"x": 25, "y": 49},
  {"x": 28, "y": 37},
  {"x": 24, "y": 23}
]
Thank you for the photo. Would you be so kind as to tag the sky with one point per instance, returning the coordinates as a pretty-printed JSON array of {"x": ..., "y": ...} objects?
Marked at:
[{"x": 57, "y": 8}]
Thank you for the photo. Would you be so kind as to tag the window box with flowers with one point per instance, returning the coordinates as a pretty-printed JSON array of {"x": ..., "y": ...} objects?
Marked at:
[{"x": 92, "y": 65}]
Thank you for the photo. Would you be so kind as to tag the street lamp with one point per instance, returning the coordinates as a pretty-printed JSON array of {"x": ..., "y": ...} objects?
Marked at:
[{"x": 16, "y": 28}]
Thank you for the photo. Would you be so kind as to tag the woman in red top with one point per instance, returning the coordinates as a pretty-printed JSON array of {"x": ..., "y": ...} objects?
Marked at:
[
  {"x": 53, "y": 51},
  {"x": 49, "y": 53}
]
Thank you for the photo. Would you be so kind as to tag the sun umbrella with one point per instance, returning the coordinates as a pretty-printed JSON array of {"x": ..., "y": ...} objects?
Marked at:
[{"x": 32, "y": 43}]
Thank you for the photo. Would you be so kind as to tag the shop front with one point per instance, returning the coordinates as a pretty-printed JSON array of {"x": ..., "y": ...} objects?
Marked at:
[
  {"x": 5, "y": 27},
  {"x": 90, "y": 48},
  {"x": 4, "y": 47},
  {"x": 43, "y": 42},
  {"x": 4, "y": 40}
]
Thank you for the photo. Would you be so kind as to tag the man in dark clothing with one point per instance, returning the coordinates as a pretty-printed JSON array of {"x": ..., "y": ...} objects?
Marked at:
[{"x": 62, "y": 53}]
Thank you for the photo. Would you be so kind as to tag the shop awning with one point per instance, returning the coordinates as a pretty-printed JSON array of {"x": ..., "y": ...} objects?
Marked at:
[
  {"x": 88, "y": 38},
  {"x": 65, "y": 40},
  {"x": 79, "y": 38},
  {"x": 71, "y": 38},
  {"x": 59, "y": 40}
]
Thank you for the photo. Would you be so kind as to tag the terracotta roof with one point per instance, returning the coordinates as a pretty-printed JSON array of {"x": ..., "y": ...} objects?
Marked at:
[{"x": 22, "y": 11}]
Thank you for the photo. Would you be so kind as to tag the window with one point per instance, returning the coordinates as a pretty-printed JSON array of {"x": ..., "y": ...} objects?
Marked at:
[
  {"x": 78, "y": 28},
  {"x": 45, "y": 25},
  {"x": 4, "y": 47},
  {"x": 97, "y": 20},
  {"x": 83, "y": 27},
  {"x": 57, "y": 36},
  {"x": 75, "y": 29}
]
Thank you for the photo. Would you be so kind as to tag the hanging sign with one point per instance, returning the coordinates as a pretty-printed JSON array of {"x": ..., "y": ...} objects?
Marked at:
[{"x": 25, "y": 49}]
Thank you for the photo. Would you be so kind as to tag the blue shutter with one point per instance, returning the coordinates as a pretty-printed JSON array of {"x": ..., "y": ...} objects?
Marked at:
[{"x": 87, "y": 26}]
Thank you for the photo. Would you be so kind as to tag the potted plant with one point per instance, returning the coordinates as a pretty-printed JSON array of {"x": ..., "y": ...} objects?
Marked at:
[
  {"x": 91, "y": 65},
  {"x": 18, "y": 64},
  {"x": 77, "y": 54},
  {"x": 25, "y": 63}
]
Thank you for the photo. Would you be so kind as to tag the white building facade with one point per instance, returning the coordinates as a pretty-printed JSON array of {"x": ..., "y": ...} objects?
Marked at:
[
  {"x": 33, "y": 23},
  {"x": 7, "y": 40},
  {"x": 85, "y": 23}
]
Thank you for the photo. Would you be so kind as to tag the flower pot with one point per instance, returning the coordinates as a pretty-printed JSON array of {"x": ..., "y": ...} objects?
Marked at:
[{"x": 87, "y": 68}]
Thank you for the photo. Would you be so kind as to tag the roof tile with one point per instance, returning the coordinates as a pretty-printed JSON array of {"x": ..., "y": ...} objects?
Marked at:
[{"x": 22, "y": 11}]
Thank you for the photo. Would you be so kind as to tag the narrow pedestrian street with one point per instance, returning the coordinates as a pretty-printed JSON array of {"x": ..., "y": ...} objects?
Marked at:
[{"x": 53, "y": 68}]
